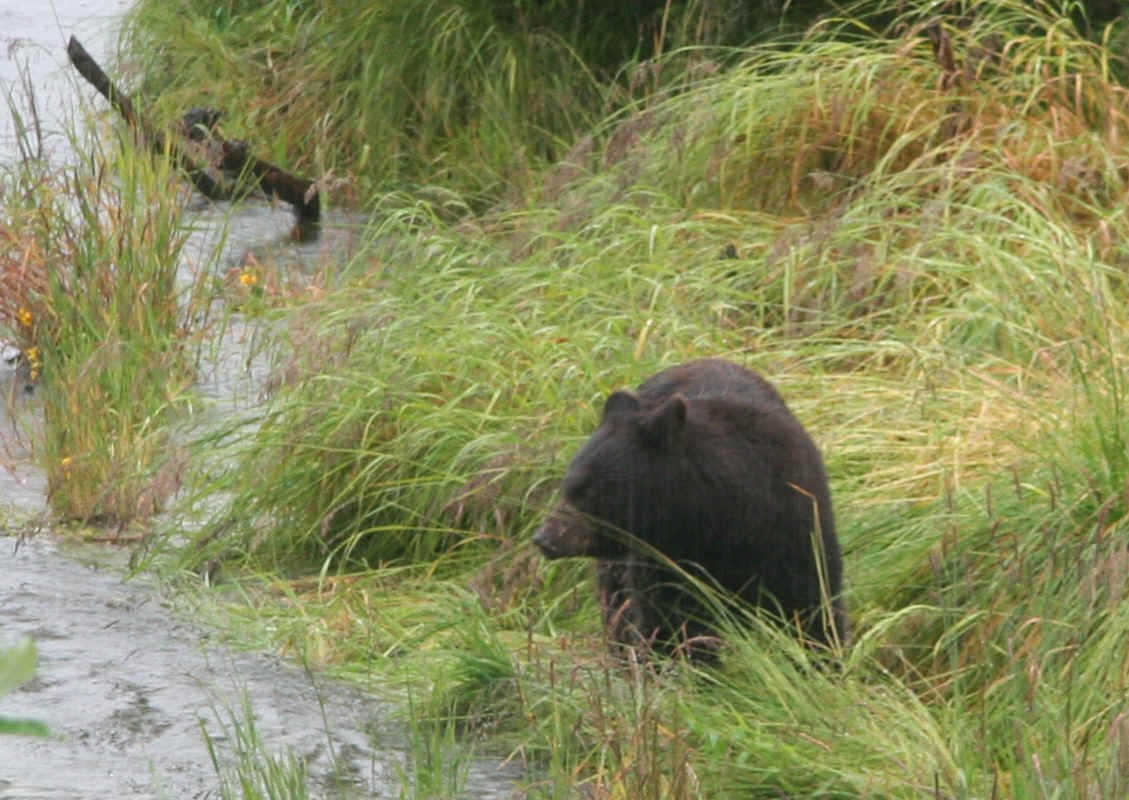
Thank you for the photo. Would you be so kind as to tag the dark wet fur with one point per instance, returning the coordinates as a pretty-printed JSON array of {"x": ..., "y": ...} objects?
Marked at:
[{"x": 700, "y": 464}]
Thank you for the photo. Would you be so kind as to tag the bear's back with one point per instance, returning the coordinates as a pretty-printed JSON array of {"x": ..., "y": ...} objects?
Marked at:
[{"x": 711, "y": 378}]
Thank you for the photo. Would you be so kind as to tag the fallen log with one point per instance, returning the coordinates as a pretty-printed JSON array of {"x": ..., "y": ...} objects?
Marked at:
[{"x": 234, "y": 155}]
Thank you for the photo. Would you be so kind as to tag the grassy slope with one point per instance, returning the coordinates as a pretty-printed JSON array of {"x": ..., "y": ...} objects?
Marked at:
[{"x": 932, "y": 270}]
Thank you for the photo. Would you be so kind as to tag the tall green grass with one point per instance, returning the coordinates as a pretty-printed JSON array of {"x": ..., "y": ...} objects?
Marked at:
[
  {"x": 416, "y": 92},
  {"x": 91, "y": 294},
  {"x": 246, "y": 769},
  {"x": 927, "y": 259},
  {"x": 475, "y": 96}
]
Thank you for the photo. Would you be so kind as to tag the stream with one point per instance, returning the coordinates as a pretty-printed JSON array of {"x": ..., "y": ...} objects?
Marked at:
[{"x": 127, "y": 683}]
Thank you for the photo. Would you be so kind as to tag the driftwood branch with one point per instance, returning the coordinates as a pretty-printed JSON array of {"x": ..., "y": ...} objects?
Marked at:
[{"x": 234, "y": 156}]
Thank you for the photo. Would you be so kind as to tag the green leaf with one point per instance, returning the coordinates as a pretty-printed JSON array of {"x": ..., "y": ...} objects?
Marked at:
[{"x": 17, "y": 665}]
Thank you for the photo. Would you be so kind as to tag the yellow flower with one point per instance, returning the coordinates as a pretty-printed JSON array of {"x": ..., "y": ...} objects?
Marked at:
[
  {"x": 65, "y": 463},
  {"x": 33, "y": 362},
  {"x": 248, "y": 278},
  {"x": 24, "y": 317}
]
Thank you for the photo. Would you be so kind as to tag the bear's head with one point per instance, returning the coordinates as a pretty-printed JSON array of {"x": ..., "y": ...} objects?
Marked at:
[{"x": 617, "y": 485}]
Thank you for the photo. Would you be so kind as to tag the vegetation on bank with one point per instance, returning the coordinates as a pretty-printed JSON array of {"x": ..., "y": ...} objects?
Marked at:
[
  {"x": 920, "y": 237},
  {"x": 89, "y": 291}
]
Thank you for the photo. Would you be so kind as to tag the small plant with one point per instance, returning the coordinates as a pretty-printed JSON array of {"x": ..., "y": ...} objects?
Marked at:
[
  {"x": 246, "y": 770},
  {"x": 17, "y": 666},
  {"x": 437, "y": 761}
]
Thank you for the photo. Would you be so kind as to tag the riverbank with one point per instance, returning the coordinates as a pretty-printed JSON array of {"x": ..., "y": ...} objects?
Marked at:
[
  {"x": 925, "y": 255},
  {"x": 138, "y": 696}
]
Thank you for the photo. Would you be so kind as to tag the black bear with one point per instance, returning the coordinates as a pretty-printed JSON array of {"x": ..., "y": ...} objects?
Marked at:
[{"x": 707, "y": 468}]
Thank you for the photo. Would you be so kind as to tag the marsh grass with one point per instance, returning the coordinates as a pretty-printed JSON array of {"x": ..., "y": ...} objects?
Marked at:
[
  {"x": 926, "y": 257},
  {"x": 246, "y": 769},
  {"x": 979, "y": 483},
  {"x": 371, "y": 92},
  {"x": 437, "y": 760},
  {"x": 90, "y": 294}
]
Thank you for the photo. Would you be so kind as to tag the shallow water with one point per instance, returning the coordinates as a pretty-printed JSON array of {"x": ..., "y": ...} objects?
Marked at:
[
  {"x": 125, "y": 682},
  {"x": 33, "y": 38},
  {"x": 125, "y": 685}
]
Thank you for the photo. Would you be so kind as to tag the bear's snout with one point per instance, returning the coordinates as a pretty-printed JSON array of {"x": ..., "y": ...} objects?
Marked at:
[
  {"x": 565, "y": 533},
  {"x": 545, "y": 541}
]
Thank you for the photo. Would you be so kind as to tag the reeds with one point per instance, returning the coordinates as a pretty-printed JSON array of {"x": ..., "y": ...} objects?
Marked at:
[{"x": 90, "y": 294}]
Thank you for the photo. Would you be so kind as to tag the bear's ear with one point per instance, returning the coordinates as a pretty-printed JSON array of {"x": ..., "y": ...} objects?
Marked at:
[
  {"x": 624, "y": 401},
  {"x": 667, "y": 420}
]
